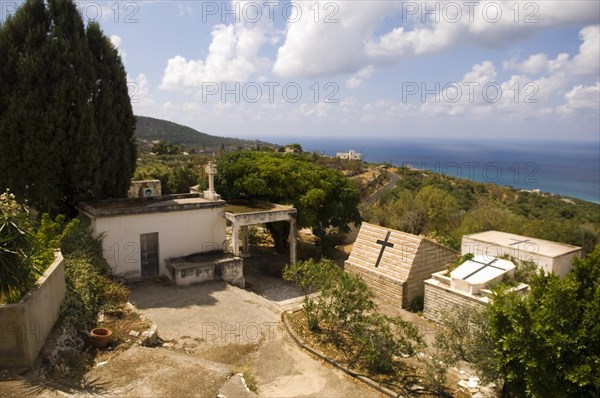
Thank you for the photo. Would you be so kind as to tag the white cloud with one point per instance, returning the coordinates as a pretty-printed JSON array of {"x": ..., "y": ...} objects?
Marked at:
[
  {"x": 532, "y": 65},
  {"x": 233, "y": 56},
  {"x": 588, "y": 59},
  {"x": 521, "y": 95},
  {"x": 385, "y": 110},
  {"x": 116, "y": 42},
  {"x": 321, "y": 49},
  {"x": 586, "y": 62},
  {"x": 142, "y": 99},
  {"x": 358, "y": 79},
  {"x": 318, "y": 49},
  {"x": 184, "y": 10},
  {"x": 582, "y": 98}
]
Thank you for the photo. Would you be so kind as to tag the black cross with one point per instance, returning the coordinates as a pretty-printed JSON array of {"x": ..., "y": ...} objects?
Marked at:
[
  {"x": 485, "y": 265},
  {"x": 384, "y": 244},
  {"x": 518, "y": 242}
]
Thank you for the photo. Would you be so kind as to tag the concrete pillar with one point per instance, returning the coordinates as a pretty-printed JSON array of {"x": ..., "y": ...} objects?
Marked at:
[
  {"x": 235, "y": 240},
  {"x": 293, "y": 239},
  {"x": 245, "y": 248}
]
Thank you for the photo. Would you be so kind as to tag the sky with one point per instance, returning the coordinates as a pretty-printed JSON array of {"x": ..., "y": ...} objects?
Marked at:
[{"x": 387, "y": 70}]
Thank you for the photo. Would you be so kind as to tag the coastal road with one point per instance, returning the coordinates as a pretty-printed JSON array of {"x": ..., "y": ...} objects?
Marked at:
[{"x": 371, "y": 200}]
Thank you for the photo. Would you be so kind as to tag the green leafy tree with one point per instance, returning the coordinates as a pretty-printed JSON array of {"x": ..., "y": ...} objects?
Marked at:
[
  {"x": 66, "y": 122},
  {"x": 548, "y": 343},
  {"x": 324, "y": 198},
  {"x": 543, "y": 344},
  {"x": 166, "y": 148}
]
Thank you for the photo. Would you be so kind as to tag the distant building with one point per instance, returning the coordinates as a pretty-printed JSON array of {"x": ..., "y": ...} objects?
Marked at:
[
  {"x": 293, "y": 148},
  {"x": 350, "y": 155}
]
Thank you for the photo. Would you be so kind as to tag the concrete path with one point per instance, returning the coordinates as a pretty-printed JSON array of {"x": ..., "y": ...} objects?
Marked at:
[
  {"x": 233, "y": 329},
  {"x": 13, "y": 385}
]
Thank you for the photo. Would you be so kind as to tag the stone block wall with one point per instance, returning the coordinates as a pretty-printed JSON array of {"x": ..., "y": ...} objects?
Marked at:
[
  {"x": 25, "y": 326},
  {"x": 386, "y": 289},
  {"x": 441, "y": 299}
]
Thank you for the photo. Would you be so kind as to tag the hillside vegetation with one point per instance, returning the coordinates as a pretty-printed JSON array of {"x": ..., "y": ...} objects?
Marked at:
[
  {"x": 446, "y": 208},
  {"x": 442, "y": 207},
  {"x": 149, "y": 129}
]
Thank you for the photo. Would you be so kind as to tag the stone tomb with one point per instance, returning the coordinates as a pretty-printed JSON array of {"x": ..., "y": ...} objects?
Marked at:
[
  {"x": 550, "y": 256},
  {"x": 474, "y": 275},
  {"x": 395, "y": 264},
  {"x": 206, "y": 267},
  {"x": 466, "y": 286}
]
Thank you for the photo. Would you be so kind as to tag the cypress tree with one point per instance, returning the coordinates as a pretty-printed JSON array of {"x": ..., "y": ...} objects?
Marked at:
[{"x": 66, "y": 124}]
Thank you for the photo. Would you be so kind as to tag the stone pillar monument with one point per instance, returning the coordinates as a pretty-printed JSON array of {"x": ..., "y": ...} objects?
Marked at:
[{"x": 210, "y": 194}]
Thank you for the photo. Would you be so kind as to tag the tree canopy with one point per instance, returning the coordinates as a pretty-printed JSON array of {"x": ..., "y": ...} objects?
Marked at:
[
  {"x": 448, "y": 208},
  {"x": 66, "y": 122},
  {"x": 545, "y": 344},
  {"x": 324, "y": 198},
  {"x": 548, "y": 343}
]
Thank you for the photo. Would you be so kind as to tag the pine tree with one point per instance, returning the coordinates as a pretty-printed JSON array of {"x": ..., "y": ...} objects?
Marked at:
[{"x": 66, "y": 123}]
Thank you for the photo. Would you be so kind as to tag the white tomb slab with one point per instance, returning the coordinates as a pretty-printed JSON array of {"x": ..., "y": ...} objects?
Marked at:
[{"x": 476, "y": 274}]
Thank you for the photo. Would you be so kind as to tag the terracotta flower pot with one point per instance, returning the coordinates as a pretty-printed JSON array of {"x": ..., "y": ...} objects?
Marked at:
[{"x": 100, "y": 337}]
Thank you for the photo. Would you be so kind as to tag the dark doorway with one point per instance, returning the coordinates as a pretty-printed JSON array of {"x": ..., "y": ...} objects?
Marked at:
[{"x": 149, "y": 254}]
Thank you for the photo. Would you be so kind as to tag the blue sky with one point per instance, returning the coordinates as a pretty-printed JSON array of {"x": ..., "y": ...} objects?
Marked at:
[{"x": 345, "y": 69}]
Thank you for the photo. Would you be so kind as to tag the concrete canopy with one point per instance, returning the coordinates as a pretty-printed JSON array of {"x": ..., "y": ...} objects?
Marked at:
[{"x": 241, "y": 214}]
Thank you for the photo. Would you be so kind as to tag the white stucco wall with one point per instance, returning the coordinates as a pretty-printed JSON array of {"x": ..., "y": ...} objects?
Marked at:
[
  {"x": 560, "y": 265},
  {"x": 179, "y": 233}
]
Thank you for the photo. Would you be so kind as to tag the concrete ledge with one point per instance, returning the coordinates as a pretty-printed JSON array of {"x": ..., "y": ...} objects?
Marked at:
[
  {"x": 25, "y": 326},
  {"x": 371, "y": 383},
  {"x": 201, "y": 268}
]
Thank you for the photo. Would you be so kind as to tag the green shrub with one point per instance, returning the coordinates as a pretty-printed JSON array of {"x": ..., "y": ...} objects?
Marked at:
[
  {"x": 345, "y": 308},
  {"x": 87, "y": 274},
  {"x": 16, "y": 273},
  {"x": 80, "y": 243},
  {"x": 380, "y": 338},
  {"x": 26, "y": 246}
]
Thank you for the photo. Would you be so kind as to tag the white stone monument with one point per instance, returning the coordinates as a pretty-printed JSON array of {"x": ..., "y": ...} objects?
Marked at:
[{"x": 211, "y": 194}]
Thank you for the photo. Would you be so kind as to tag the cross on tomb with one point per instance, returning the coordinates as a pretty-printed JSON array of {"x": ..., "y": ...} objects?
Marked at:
[
  {"x": 485, "y": 265},
  {"x": 384, "y": 243},
  {"x": 518, "y": 241}
]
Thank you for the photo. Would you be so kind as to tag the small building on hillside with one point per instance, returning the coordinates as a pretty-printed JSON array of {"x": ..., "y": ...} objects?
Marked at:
[
  {"x": 181, "y": 236},
  {"x": 395, "y": 264},
  {"x": 549, "y": 256},
  {"x": 350, "y": 155},
  {"x": 139, "y": 234}
]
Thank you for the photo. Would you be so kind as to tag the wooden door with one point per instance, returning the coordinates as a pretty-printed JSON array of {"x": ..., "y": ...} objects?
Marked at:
[{"x": 149, "y": 254}]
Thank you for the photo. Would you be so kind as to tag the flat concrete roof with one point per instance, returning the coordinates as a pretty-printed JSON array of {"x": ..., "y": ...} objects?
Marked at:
[
  {"x": 244, "y": 206},
  {"x": 157, "y": 204},
  {"x": 525, "y": 243}
]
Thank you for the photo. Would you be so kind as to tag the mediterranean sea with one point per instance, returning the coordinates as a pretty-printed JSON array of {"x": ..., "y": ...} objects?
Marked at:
[{"x": 566, "y": 168}]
